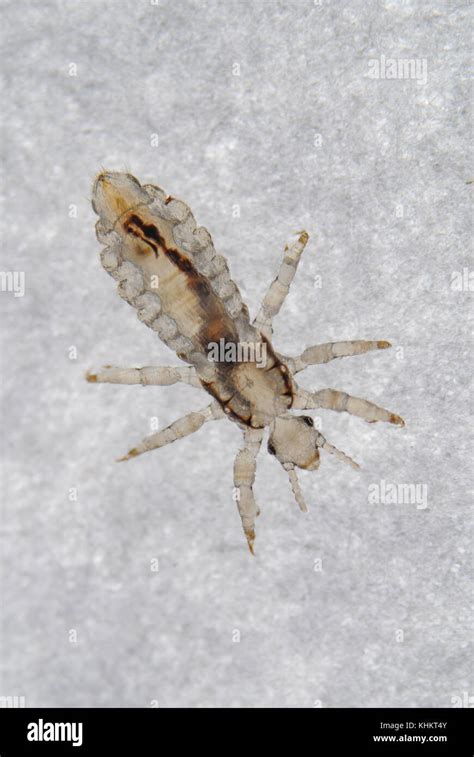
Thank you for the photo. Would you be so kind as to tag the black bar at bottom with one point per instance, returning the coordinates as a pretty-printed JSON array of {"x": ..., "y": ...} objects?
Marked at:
[{"x": 48, "y": 731}]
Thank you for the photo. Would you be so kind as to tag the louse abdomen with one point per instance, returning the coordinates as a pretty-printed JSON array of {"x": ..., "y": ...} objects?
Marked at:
[
  {"x": 167, "y": 267},
  {"x": 186, "y": 295}
]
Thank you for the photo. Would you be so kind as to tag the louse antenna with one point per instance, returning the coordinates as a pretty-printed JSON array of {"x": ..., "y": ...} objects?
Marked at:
[
  {"x": 295, "y": 487},
  {"x": 324, "y": 444}
]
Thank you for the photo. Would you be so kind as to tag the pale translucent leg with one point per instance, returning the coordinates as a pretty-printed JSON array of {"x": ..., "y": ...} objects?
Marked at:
[
  {"x": 184, "y": 426},
  {"x": 148, "y": 376},
  {"x": 332, "y": 399},
  {"x": 323, "y": 353},
  {"x": 280, "y": 286},
  {"x": 244, "y": 476}
]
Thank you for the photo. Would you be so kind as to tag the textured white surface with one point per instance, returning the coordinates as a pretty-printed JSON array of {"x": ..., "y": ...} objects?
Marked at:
[{"x": 329, "y": 636}]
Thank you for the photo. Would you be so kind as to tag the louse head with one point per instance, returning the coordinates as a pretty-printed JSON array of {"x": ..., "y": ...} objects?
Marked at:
[
  {"x": 293, "y": 441},
  {"x": 113, "y": 194}
]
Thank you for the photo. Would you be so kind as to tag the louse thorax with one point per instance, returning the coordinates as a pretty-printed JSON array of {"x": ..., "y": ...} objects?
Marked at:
[{"x": 252, "y": 392}]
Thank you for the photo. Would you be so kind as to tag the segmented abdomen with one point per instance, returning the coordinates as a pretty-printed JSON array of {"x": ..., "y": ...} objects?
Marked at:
[{"x": 167, "y": 268}]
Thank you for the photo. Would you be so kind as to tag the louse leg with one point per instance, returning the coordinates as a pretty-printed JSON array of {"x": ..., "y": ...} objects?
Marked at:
[
  {"x": 180, "y": 428},
  {"x": 323, "y": 353},
  {"x": 280, "y": 286},
  {"x": 245, "y": 465},
  {"x": 332, "y": 399},
  {"x": 147, "y": 376}
]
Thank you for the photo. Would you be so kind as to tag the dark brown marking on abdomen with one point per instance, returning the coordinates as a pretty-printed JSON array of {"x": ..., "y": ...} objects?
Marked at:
[{"x": 216, "y": 322}]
